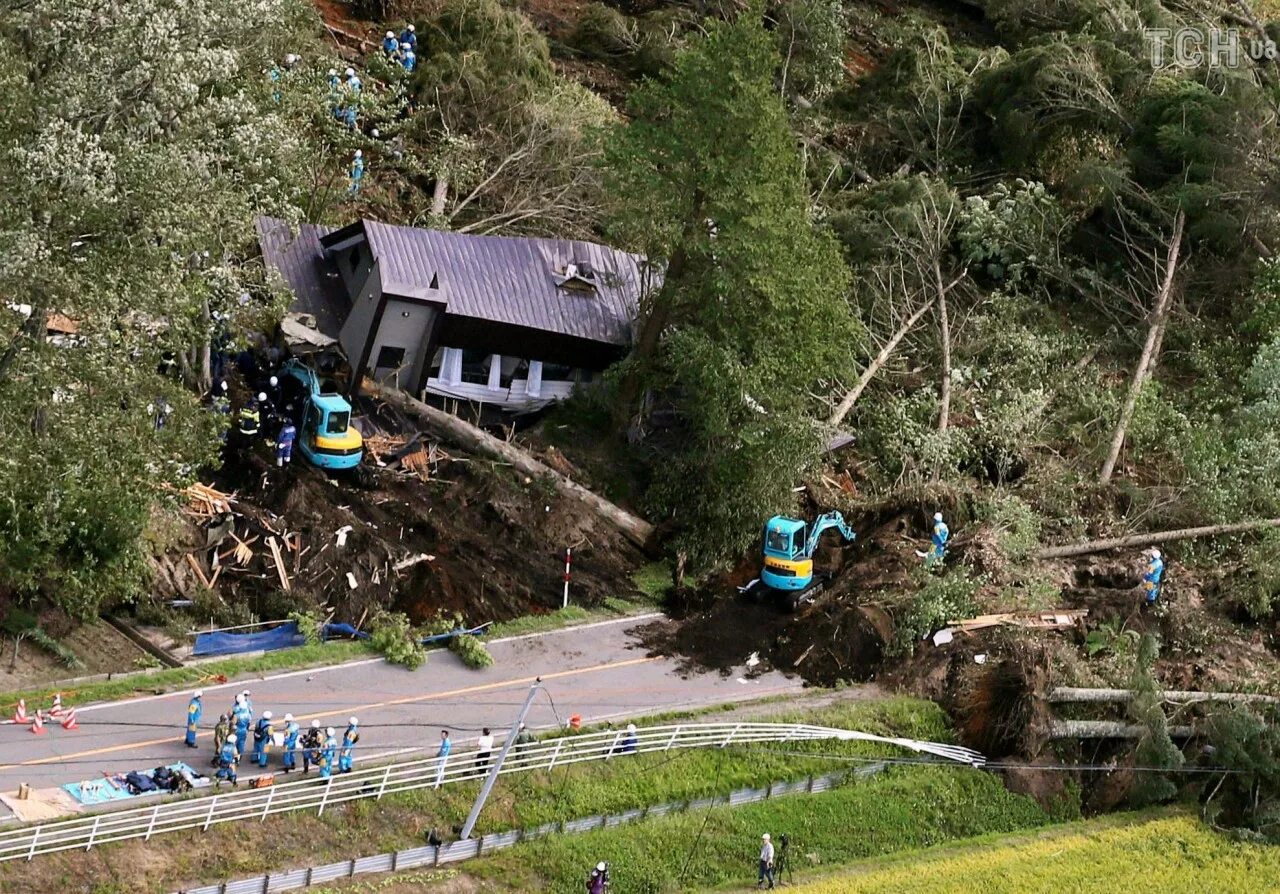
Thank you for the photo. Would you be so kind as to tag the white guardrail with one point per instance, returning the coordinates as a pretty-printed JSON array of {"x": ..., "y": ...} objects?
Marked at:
[{"x": 230, "y": 805}]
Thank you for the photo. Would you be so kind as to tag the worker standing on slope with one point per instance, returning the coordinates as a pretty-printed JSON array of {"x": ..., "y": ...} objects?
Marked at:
[
  {"x": 408, "y": 59},
  {"x": 250, "y": 421},
  {"x": 357, "y": 173},
  {"x": 766, "y": 861},
  {"x": 938, "y": 545},
  {"x": 410, "y": 36},
  {"x": 284, "y": 443},
  {"x": 1152, "y": 577},
  {"x": 195, "y": 710},
  {"x": 328, "y": 752},
  {"x": 349, "y": 740},
  {"x": 291, "y": 731},
  {"x": 262, "y": 734},
  {"x": 390, "y": 45}
]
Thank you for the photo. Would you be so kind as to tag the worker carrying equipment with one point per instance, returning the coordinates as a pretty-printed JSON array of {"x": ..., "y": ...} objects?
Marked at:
[
  {"x": 328, "y": 752},
  {"x": 291, "y": 732},
  {"x": 227, "y": 759},
  {"x": 789, "y": 545},
  {"x": 262, "y": 734}
]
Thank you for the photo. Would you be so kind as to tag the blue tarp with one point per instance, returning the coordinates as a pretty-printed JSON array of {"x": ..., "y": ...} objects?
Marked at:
[
  {"x": 283, "y": 637},
  {"x": 343, "y": 630}
]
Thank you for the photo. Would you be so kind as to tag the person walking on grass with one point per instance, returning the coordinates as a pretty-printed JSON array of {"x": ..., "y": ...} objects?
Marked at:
[{"x": 766, "y": 861}]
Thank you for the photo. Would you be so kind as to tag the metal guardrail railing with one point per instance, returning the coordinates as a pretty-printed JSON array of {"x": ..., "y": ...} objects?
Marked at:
[
  {"x": 454, "y": 852},
  {"x": 199, "y": 812}
]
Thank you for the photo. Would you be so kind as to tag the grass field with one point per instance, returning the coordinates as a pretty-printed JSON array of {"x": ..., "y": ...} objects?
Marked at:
[{"x": 1163, "y": 855}]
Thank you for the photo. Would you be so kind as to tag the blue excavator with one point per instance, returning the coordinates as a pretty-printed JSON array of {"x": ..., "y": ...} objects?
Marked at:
[{"x": 789, "y": 545}]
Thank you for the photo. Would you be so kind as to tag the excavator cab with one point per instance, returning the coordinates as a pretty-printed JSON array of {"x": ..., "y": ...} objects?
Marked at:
[{"x": 787, "y": 565}]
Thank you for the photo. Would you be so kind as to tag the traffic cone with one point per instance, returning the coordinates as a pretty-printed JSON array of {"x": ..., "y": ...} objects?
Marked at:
[
  {"x": 69, "y": 721},
  {"x": 20, "y": 716},
  {"x": 37, "y": 724},
  {"x": 56, "y": 711}
]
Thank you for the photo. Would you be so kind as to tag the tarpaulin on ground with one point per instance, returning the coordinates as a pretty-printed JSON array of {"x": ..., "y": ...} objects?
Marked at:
[
  {"x": 283, "y": 637},
  {"x": 113, "y": 787}
]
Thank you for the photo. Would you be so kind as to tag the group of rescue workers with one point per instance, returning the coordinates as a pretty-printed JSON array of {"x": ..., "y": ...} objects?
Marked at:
[
  {"x": 319, "y": 747},
  {"x": 262, "y": 415}
]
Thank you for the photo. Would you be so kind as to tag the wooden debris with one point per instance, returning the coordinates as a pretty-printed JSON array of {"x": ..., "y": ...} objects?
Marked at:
[
  {"x": 279, "y": 560},
  {"x": 195, "y": 566},
  {"x": 1054, "y": 619},
  {"x": 410, "y": 561},
  {"x": 205, "y": 501}
]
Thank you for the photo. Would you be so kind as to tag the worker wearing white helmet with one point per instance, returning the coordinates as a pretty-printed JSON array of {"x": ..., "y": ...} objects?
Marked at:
[
  {"x": 262, "y": 739},
  {"x": 311, "y": 741},
  {"x": 291, "y": 732},
  {"x": 938, "y": 540},
  {"x": 195, "y": 710},
  {"x": 328, "y": 752},
  {"x": 390, "y": 45},
  {"x": 1152, "y": 576},
  {"x": 349, "y": 740},
  {"x": 408, "y": 58},
  {"x": 410, "y": 36},
  {"x": 242, "y": 718},
  {"x": 353, "y": 83}
]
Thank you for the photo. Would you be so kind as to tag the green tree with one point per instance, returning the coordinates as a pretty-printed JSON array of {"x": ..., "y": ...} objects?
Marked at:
[
  {"x": 137, "y": 142},
  {"x": 752, "y": 310}
]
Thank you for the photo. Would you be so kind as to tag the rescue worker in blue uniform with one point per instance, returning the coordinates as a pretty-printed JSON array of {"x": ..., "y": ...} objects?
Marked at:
[
  {"x": 1153, "y": 575},
  {"x": 357, "y": 173},
  {"x": 262, "y": 734},
  {"x": 311, "y": 741},
  {"x": 410, "y": 36},
  {"x": 291, "y": 731},
  {"x": 195, "y": 710},
  {"x": 941, "y": 534},
  {"x": 328, "y": 752},
  {"x": 227, "y": 759},
  {"x": 243, "y": 717},
  {"x": 408, "y": 59},
  {"x": 390, "y": 46},
  {"x": 349, "y": 740},
  {"x": 284, "y": 443}
]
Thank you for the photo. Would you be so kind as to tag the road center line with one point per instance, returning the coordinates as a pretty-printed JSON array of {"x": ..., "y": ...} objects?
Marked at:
[{"x": 407, "y": 700}]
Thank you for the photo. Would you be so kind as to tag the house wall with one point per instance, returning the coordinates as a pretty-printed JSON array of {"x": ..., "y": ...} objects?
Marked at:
[
  {"x": 405, "y": 325},
  {"x": 365, "y": 301}
]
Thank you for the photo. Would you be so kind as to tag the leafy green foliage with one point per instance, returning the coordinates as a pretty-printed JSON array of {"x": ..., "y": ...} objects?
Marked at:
[
  {"x": 1246, "y": 743},
  {"x": 941, "y": 598},
  {"x": 392, "y": 636},
  {"x": 310, "y": 625},
  {"x": 1155, "y": 748},
  {"x": 472, "y": 651},
  {"x": 751, "y": 311}
]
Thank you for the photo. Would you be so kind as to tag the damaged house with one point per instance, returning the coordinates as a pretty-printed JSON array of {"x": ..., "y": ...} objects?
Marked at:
[{"x": 505, "y": 322}]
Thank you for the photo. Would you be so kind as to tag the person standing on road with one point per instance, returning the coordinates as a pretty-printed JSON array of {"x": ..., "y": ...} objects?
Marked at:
[
  {"x": 194, "y": 712},
  {"x": 328, "y": 753},
  {"x": 221, "y": 732},
  {"x": 291, "y": 731},
  {"x": 766, "y": 861},
  {"x": 446, "y": 745},
  {"x": 311, "y": 747},
  {"x": 349, "y": 740},
  {"x": 227, "y": 759},
  {"x": 484, "y": 748},
  {"x": 243, "y": 718},
  {"x": 262, "y": 734}
]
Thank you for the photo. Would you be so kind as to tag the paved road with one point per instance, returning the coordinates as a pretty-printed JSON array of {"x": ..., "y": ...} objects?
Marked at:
[{"x": 598, "y": 671}]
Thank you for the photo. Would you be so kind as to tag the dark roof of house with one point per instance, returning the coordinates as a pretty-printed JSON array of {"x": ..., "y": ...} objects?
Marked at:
[
  {"x": 511, "y": 280},
  {"x": 301, "y": 260}
]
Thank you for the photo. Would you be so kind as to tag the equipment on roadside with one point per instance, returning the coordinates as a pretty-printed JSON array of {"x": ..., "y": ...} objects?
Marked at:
[
  {"x": 789, "y": 545},
  {"x": 323, "y": 419}
]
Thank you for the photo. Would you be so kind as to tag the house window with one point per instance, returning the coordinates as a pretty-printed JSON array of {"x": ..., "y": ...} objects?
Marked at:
[
  {"x": 475, "y": 367},
  {"x": 557, "y": 372},
  {"x": 390, "y": 357}
]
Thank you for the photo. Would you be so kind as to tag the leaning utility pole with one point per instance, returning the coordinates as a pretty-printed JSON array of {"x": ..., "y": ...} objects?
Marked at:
[{"x": 496, "y": 767}]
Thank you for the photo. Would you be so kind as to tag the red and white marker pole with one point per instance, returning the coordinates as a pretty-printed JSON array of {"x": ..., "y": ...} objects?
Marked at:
[{"x": 568, "y": 564}]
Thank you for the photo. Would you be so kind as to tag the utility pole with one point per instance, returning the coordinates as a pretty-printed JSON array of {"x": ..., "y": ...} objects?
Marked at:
[{"x": 496, "y": 767}]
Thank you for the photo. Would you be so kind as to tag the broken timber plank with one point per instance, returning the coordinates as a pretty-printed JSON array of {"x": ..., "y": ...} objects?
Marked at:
[
  {"x": 195, "y": 566},
  {"x": 275, "y": 554},
  {"x": 1134, "y": 540},
  {"x": 466, "y": 435},
  {"x": 1108, "y": 729}
]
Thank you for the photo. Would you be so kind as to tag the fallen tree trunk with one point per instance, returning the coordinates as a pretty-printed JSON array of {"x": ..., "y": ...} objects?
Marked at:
[
  {"x": 1108, "y": 729},
  {"x": 1098, "y": 546},
  {"x": 464, "y": 434},
  {"x": 1077, "y": 695},
  {"x": 846, "y": 404}
]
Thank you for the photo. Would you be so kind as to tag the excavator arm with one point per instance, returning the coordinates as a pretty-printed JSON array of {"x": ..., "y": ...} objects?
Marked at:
[{"x": 823, "y": 523}]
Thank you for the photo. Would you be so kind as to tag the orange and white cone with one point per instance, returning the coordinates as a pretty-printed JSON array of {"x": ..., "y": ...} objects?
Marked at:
[
  {"x": 56, "y": 711},
  {"x": 20, "y": 716},
  {"x": 37, "y": 724},
  {"x": 69, "y": 720}
]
